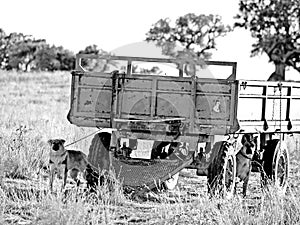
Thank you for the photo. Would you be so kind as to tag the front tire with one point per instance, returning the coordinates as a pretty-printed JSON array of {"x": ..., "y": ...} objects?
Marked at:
[{"x": 222, "y": 171}]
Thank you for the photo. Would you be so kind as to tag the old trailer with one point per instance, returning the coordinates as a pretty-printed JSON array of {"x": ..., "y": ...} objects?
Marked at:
[{"x": 160, "y": 119}]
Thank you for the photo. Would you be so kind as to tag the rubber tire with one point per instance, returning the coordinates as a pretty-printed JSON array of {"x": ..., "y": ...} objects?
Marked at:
[
  {"x": 99, "y": 161},
  {"x": 218, "y": 171},
  {"x": 276, "y": 165},
  {"x": 98, "y": 152}
]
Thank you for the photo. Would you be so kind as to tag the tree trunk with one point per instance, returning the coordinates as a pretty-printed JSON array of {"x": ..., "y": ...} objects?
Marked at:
[
  {"x": 279, "y": 73},
  {"x": 280, "y": 70},
  {"x": 28, "y": 64}
]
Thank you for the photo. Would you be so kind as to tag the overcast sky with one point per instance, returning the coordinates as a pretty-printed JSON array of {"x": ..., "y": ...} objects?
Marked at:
[{"x": 115, "y": 24}]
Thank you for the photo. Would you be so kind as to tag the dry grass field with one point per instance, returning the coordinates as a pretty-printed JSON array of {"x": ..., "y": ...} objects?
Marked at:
[{"x": 34, "y": 107}]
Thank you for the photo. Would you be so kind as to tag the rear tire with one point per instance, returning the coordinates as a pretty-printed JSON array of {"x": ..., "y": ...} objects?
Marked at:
[
  {"x": 99, "y": 160},
  {"x": 98, "y": 152},
  {"x": 222, "y": 171},
  {"x": 276, "y": 165}
]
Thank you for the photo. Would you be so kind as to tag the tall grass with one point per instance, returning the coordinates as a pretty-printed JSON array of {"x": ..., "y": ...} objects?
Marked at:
[
  {"x": 33, "y": 108},
  {"x": 84, "y": 209}
]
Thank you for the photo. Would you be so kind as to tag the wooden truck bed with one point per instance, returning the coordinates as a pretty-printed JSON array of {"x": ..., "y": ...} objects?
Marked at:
[{"x": 205, "y": 106}]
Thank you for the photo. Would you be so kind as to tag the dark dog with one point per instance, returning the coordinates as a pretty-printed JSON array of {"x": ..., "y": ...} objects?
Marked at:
[
  {"x": 244, "y": 158},
  {"x": 63, "y": 161}
]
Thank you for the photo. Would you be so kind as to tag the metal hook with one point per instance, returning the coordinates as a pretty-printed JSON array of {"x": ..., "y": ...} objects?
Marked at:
[
  {"x": 265, "y": 126},
  {"x": 279, "y": 86}
]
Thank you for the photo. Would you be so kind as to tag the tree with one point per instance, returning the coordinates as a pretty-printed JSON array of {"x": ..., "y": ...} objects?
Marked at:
[
  {"x": 46, "y": 59},
  {"x": 13, "y": 50},
  {"x": 66, "y": 59},
  {"x": 190, "y": 39},
  {"x": 53, "y": 58},
  {"x": 18, "y": 51},
  {"x": 23, "y": 52},
  {"x": 275, "y": 26}
]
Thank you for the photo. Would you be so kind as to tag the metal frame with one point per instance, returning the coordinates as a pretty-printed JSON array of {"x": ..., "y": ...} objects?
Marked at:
[{"x": 129, "y": 60}]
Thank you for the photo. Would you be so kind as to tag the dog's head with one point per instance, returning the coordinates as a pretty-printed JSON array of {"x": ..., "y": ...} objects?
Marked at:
[
  {"x": 249, "y": 144},
  {"x": 56, "y": 144}
]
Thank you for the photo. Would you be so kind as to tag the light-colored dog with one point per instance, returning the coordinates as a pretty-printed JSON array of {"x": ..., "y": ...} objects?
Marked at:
[
  {"x": 63, "y": 161},
  {"x": 244, "y": 158}
]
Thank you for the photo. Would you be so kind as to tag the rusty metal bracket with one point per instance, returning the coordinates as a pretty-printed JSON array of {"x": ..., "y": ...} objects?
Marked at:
[
  {"x": 244, "y": 84},
  {"x": 114, "y": 77},
  {"x": 289, "y": 125},
  {"x": 279, "y": 86},
  {"x": 265, "y": 126}
]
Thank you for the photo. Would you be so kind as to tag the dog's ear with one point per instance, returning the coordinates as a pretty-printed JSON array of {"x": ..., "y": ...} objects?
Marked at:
[
  {"x": 247, "y": 138},
  {"x": 255, "y": 141},
  {"x": 50, "y": 141},
  {"x": 62, "y": 141},
  {"x": 244, "y": 139}
]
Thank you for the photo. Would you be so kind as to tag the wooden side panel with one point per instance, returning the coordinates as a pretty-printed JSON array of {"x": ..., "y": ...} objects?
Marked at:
[
  {"x": 135, "y": 103},
  {"x": 214, "y": 101},
  {"x": 269, "y": 106},
  {"x": 173, "y": 105}
]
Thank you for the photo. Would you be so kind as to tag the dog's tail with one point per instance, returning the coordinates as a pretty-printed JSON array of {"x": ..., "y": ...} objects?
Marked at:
[{"x": 91, "y": 176}]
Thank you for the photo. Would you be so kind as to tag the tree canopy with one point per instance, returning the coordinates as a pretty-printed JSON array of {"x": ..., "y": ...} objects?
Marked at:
[
  {"x": 275, "y": 26},
  {"x": 25, "y": 53},
  {"x": 191, "y": 38}
]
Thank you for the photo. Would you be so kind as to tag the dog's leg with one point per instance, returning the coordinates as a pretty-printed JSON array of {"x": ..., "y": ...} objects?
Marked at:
[
  {"x": 65, "y": 175},
  {"x": 235, "y": 188},
  {"x": 51, "y": 178},
  {"x": 245, "y": 184},
  {"x": 92, "y": 178},
  {"x": 74, "y": 175}
]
